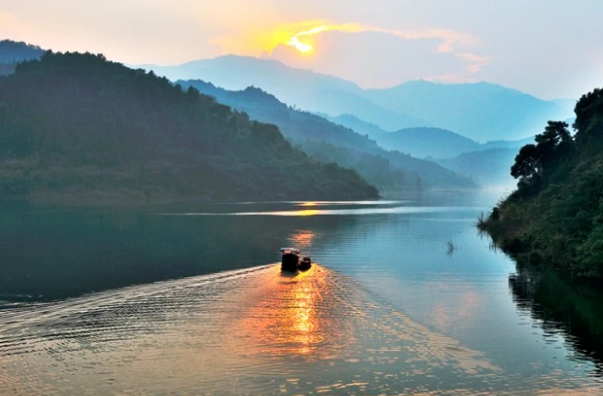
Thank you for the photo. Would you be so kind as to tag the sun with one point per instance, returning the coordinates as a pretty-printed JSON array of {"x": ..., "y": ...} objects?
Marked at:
[
  {"x": 296, "y": 43},
  {"x": 303, "y": 40},
  {"x": 301, "y": 47}
]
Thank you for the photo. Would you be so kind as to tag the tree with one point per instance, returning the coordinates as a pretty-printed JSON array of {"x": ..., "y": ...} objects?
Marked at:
[
  {"x": 554, "y": 143},
  {"x": 527, "y": 166},
  {"x": 588, "y": 106}
]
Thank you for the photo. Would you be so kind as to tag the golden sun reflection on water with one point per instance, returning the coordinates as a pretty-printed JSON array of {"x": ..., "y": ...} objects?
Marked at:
[
  {"x": 307, "y": 213},
  {"x": 253, "y": 331},
  {"x": 290, "y": 321},
  {"x": 309, "y": 204}
]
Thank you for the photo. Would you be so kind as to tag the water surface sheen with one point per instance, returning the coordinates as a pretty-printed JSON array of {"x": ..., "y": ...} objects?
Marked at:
[{"x": 389, "y": 310}]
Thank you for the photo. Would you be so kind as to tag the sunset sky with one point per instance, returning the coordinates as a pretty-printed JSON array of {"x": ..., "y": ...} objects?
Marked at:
[{"x": 548, "y": 48}]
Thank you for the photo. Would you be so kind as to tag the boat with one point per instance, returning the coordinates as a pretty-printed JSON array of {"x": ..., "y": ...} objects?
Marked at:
[
  {"x": 305, "y": 264},
  {"x": 291, "y": 260}
]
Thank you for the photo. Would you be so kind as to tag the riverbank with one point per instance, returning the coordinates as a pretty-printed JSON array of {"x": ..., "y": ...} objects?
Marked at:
[{"x": 555, "y": 217}]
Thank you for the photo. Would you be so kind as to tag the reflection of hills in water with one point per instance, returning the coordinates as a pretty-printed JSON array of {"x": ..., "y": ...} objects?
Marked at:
[
  {"x": 253, "y": 331},
  {"x": 575, "y": 311}
]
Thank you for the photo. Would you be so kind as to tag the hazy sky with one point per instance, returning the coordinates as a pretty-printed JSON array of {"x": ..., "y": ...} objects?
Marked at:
[{"x": 548, "y": 48}]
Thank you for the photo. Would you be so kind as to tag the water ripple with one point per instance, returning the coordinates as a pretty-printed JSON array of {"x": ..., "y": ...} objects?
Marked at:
[{"x": 245, "y": 332}]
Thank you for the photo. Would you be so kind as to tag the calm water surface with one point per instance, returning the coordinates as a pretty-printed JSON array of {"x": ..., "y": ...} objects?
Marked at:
[{"x": 188, "y": 299}]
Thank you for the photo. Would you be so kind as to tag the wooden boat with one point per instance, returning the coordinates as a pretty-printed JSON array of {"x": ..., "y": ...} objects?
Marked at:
[{"x": 291, "y": 260}]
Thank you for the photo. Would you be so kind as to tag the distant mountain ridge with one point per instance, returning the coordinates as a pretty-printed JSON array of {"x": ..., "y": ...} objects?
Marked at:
[
  {"x": 489, "y": 167},
  {"x": 428, "y": 142},
  {"x": 303, "y": 89},
  {"x": 12, "y": 52},
  {"x": 424, "y": 142},
  {"x": 329, "y": 142},
  {"x": 479, "y": 111}
]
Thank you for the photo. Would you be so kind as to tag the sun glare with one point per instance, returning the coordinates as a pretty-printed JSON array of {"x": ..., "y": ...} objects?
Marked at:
[
  {"x": 301, "y": 47},
  {"x": 305, "y": 48}
]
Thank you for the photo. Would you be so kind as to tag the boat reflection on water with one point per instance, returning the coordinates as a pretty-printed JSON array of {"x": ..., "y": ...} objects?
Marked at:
[{"x": 294, "y": 317}]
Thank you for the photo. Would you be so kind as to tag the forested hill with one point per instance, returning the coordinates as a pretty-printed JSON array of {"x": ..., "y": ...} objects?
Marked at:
[
  {"x": 555, "y": 218},
  {"x": 393, "y": 172},
  {"x": 79, "y": 128}
]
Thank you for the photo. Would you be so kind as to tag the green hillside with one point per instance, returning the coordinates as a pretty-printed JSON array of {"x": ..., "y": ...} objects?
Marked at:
[
  {"x": 555, "y": 217},
  {"x": 77, "y": 128}
]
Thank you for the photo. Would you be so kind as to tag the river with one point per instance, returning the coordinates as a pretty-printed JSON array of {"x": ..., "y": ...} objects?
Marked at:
[{"x": 406, "y": 297}]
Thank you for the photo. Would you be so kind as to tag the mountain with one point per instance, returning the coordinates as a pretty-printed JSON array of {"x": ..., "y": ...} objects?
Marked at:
[
  {"x": 373, "y": 131},
  {"x": 336, "y": 102},
  {"x": 488, "y": 163},
  {"x": 511, "y": 144},
  {"x": 233, "y": 72},
  {"x": 389, "y": 170},
  {"x": 12, "y": 52},
  {"x": 303, "y": 89},
  {"x": 567, "y": 104},
  {"x": 555, "y": 217},
  {"x": 428, "y": 142},
  {"x": 478, "y": 111},
  {"x": 488, "y": 167},
  {"x": 424, "y": 142},
  {"x": 78, "y": 128}
]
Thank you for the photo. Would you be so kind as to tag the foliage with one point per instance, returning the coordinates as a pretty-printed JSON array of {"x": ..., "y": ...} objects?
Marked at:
[
  {"x": 76, "y": 126},
  {"x": 555, "y": 217}
]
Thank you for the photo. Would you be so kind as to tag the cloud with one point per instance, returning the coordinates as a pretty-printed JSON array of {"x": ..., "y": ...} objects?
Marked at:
[
  {"x": 432, "y": 54},
  {"x": 449, "y": 42},
  {"x": 377, "y": 58}
]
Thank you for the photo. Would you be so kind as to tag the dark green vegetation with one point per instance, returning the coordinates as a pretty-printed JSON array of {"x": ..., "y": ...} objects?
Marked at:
[
  {"x": 556, "y": 214},
  {"x": 393, "y": 172},
  {"x": 77, "y": 128}
]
